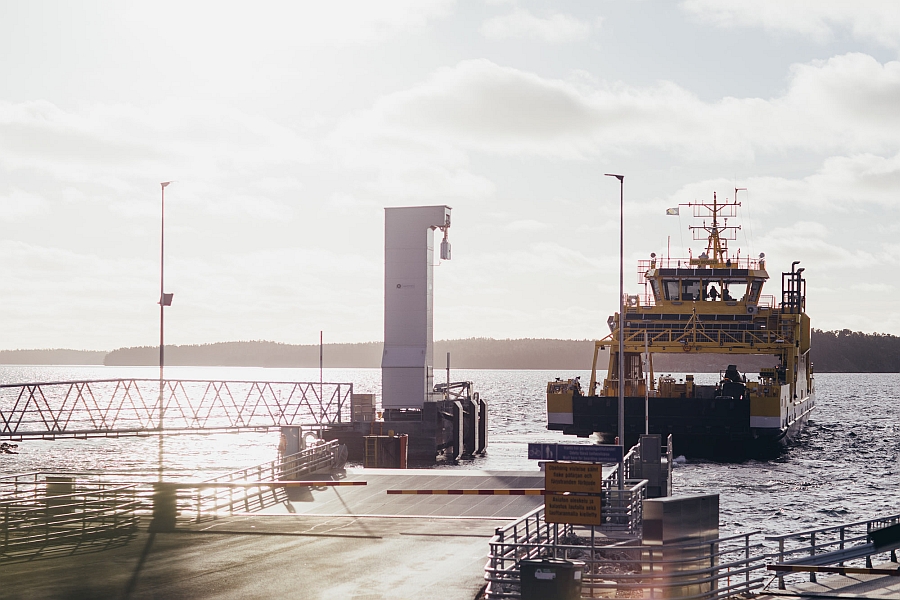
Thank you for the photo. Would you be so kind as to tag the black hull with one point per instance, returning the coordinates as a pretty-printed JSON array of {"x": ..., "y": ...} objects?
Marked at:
[{"x": 717, "y": 429}]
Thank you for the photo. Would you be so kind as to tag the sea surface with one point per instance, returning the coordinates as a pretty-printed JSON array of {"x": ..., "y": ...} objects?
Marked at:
[{"x": 845, "y": 466}]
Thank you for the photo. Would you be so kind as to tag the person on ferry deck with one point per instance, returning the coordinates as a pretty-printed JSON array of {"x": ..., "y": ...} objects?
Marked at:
[{"x": 713, "y": 293}]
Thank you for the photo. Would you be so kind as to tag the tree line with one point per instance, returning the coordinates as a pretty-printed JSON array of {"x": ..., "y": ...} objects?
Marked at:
[{"x": 841, "y": 351}]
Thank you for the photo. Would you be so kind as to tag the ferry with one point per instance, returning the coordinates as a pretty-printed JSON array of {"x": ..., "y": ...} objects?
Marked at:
[{"x": 709, "y": 304}]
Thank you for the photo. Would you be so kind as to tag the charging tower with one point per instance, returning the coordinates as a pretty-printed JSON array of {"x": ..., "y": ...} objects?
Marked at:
[
  {"x": 407, "y": 365},
  {"x": 449, "y": 418}
]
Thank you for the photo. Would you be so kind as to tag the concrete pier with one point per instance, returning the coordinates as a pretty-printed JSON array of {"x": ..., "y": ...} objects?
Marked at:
[{"x": 357, "y": 543}]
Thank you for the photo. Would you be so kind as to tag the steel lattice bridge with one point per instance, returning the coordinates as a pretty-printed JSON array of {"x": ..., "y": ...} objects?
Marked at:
[{"x": 143, "y": 407}]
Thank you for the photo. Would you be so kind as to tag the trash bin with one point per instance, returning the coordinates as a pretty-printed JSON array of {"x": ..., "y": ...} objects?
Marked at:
[{"x": 550, "y": 579}]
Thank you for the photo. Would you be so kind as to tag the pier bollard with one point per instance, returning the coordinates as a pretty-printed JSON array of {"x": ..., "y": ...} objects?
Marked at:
[
  {"x": 164, "y": 507},
  {"x": 56, "y": 487}
]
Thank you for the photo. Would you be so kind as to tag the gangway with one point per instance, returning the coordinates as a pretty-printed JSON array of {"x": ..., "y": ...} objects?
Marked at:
[{"x": 142, "y": 407}]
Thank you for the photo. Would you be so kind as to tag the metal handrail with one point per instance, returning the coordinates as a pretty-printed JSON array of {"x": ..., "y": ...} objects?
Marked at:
[
  {"x": 199, "y": 504},
  {"x": 717, "y": 568},
  {"x": 208, "y": 503},
  {"x": 820, "y": 540}
]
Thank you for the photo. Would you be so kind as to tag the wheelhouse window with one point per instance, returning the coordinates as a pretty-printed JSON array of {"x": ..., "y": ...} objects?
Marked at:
[
  {"x": 671, "y": 289},
  {"x": 654, "y": 284},
  {"x": 753, "y": 291},
  {"x": 690, "y": 289}
]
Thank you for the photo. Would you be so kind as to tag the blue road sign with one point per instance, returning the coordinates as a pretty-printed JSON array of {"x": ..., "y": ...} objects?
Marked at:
[{"x": 594, "y": 453}]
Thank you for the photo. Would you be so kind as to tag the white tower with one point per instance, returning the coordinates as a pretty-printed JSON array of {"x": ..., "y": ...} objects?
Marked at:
[{"x": 407, "y": 378}]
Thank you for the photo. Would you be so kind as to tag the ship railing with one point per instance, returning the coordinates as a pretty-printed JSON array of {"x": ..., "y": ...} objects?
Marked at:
[
  {"x": 675, "y": 262},
  {"x": 847, "y": 543},
  {"x": 46, "y": 515},
  {"x": 706, "y": 335},
  {"x": 633, "y": 387},
  {"x": 616, "y": 567},
  {"x": 647, "y": 299}
]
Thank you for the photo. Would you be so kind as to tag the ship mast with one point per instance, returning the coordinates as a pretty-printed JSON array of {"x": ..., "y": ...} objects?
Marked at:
[{"x": 716, "y": 234}]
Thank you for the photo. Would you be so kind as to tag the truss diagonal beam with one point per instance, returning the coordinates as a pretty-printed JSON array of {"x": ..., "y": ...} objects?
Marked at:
[{"x": 120, "y": 407}]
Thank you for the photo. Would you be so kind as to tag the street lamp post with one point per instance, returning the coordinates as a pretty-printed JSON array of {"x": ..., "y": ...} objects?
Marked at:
[
  {"x": 621, "y": 411},
  {"x": 164, "y": 301}
]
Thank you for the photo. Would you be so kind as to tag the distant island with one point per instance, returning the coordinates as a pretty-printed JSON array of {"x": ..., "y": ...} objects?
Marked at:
[{"x": 842, "y": 351}]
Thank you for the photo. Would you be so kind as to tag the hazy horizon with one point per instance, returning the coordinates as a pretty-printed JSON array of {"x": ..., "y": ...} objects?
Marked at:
[{"x": 288, "y": 127}]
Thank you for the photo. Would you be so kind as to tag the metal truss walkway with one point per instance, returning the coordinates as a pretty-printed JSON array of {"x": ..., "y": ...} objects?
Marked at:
[{"x": 141, "y": 407}]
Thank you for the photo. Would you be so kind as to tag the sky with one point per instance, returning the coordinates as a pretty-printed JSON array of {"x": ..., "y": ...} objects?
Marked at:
[{"x": 288, "y": 127}]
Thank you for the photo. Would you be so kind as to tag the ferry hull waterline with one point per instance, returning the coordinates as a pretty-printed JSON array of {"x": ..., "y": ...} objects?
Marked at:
[
  {"x": 711, "y": 304},
  {"x": 716, "y": 429}
]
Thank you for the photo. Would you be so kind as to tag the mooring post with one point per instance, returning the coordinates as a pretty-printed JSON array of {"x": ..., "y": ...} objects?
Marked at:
[{"x": 164, "y": 507}]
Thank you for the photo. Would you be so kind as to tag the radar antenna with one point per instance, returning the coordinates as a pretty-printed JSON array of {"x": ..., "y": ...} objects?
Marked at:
[{"x": 717, "y": 233}]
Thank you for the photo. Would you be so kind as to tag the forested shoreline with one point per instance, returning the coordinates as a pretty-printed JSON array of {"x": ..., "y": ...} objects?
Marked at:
[{"x": 842, "y": 351}]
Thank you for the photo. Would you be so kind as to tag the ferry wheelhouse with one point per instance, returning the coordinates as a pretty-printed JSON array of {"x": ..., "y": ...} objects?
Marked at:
[{"x": 709, "y": 304}]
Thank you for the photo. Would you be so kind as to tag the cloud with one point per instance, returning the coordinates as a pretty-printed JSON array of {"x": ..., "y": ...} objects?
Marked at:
[
  {"x": 522, "y": 24},
  {"x": 434, "y": 183},
  {"x": 231, "y": 28},
  {"x": 527, "y": 225},
  {"x": 869, "y": 20},
  {"x": 226, "y": 161},
  {"x": 839, "y": 185},
  {"x": 18, "y": 204},
  {"x": 849, "y": 102}
]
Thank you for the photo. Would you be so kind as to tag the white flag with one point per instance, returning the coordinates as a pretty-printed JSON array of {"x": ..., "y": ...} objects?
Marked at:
[{"x": 672, "y": 211}]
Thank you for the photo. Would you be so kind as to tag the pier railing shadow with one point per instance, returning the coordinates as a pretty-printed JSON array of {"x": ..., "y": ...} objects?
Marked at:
[
  {"x": 44, "y": 516},
  {"x": 51, "y": 514},
  {"x": 209, "y": 503}
]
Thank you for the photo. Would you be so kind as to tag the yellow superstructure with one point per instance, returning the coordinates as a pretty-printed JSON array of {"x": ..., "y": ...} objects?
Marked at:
[{"x": 712, "y": 303}]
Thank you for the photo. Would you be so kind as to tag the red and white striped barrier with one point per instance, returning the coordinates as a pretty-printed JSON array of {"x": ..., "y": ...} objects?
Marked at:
[{"x": 505, "y": 492}]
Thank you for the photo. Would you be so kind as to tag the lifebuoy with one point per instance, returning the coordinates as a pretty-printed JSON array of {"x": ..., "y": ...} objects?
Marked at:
[{"x": 687, "y": 348}]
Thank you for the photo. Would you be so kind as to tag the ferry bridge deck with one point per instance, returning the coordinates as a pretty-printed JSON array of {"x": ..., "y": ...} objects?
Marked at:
[{"x": 142, "y": 407}]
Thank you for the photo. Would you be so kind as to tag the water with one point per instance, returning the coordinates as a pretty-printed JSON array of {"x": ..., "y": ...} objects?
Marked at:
[{"x": 845, "y": 465}]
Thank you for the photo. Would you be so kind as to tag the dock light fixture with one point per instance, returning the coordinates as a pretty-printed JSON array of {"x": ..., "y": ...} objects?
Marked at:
[{"x": 621, "y": 411}]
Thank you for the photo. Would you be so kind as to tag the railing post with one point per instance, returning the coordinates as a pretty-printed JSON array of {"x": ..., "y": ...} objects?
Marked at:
[
  {"x": 165, "y": 507},
  {"x": 812, "y": 552},
  {"x": 555, "y": 540},
  {"x": 780, "y": 559},
  {"x": 6, "y": 528},
  {"x": 747, "y": 560},
  {"x": 841, "y": 564}
]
